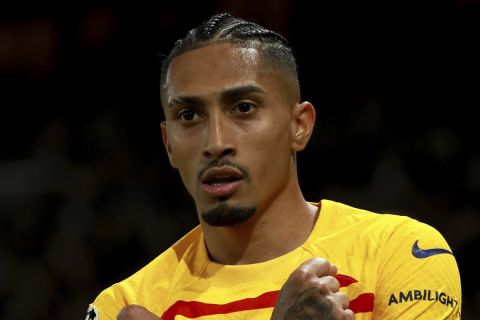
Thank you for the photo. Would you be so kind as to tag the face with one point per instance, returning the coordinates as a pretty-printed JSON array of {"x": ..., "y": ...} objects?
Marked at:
[{"x": 231, "y": 127}]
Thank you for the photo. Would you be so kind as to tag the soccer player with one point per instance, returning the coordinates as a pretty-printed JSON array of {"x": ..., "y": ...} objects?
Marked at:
[{"x": 234, "y": 123}]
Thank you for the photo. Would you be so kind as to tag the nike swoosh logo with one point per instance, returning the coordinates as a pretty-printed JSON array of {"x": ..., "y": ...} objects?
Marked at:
[{"x": 425, "y": 253}]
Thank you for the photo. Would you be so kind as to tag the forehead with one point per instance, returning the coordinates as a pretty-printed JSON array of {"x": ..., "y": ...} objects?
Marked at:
[{"x": 213, "y": 67}]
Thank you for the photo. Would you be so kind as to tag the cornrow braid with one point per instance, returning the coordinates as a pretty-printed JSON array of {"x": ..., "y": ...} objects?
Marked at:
[
  {"x": 273, "y": 47},
  {"x": 210, "y": 27},
  {"x": 251, "y": 31},
  {"x": 233, "y": 27}
]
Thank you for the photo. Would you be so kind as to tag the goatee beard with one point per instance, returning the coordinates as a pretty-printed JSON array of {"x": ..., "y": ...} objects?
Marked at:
[{"x": 224, "y": 215}]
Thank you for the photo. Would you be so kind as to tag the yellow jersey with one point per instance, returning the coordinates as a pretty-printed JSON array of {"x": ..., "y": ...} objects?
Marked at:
[{"x": 390, "y": 266}]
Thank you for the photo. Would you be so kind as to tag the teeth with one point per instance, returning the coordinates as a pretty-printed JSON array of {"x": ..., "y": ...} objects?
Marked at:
[{"x": 217, "y": 183}]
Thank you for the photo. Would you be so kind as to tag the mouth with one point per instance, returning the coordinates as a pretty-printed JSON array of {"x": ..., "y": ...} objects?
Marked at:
[{"x": 221, "y": 182}]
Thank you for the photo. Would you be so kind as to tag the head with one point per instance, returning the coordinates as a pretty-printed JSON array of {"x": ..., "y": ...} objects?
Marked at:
[
  {"x": 234, "y": 119},
  {"x": 273, "y": 47}
]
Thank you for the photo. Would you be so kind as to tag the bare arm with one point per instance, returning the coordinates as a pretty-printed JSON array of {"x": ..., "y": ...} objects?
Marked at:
[{"x": 311, "y": 292}]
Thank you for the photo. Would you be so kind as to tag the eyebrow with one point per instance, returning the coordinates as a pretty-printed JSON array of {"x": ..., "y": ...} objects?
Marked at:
[
  {"x": 240, "y": 91},
  {"x": 226, "y": 96},
  {"x": 185, "y": 100}
]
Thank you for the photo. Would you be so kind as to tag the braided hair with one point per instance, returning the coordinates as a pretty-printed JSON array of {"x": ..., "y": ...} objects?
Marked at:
[{"x": 273, "y": 47}]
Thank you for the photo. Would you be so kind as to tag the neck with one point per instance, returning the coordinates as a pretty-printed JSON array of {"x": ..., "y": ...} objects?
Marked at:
[{"x": 267, "y": 235}]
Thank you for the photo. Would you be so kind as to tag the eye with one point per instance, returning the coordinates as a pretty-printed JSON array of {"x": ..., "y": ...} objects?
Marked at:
[
  {"x": 244, "y": 107},
  {"x": 188, "y": 115}
]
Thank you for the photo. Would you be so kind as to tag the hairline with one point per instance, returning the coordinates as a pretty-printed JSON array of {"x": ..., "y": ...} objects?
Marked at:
[{"x": 240, "y": 43}]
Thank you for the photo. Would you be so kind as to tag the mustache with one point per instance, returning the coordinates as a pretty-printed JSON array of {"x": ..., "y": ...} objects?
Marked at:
[{"x": 223, "y": 163}]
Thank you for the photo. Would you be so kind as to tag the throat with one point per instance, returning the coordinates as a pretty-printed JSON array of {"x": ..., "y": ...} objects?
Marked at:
[{"x": 259, "y": 240}]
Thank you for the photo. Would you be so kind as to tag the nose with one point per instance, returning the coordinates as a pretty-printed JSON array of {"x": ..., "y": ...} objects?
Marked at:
[{"x": 219, "y": 138}]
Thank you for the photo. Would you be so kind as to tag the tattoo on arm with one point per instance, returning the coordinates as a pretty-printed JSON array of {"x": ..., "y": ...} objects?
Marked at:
[{"x": 310, "y": 305}]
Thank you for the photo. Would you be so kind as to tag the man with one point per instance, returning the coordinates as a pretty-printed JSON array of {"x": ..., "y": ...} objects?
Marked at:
[{"x": 234, "y": 122}]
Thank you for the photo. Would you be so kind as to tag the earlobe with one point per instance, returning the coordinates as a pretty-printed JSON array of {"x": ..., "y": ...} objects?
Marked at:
[
  {"x": 302, "y": 125},
  {"x": 166, "y": 143}
]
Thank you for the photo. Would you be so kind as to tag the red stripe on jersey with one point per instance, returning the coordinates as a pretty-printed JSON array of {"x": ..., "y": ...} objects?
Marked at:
[
  {"x": 345, "y": 280},
  {"x": 362, "y": 303},
  {"x": 194, "y": 309}
]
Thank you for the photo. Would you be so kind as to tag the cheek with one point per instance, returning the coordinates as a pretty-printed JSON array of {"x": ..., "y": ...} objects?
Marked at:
[
  {"x": 184, "y": 151},
  {"x": 271, "y": 152}
]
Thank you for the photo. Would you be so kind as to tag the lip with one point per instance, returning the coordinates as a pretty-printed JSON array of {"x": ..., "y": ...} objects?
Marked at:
[{"x": 224, "y": 189}]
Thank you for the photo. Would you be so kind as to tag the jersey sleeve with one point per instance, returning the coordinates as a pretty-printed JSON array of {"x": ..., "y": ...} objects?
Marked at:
[
  {"x": 147, "y": 287},
  {"x": 94, "y": 314},
  {"x": 106, "y": 306},
  {"x": 418, "y": 276}
]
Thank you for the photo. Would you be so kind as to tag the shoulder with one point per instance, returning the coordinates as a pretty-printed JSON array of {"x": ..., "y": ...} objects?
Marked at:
[
  {"x": 354, "y": 214},
  {"x": 394, "y": 238},
  {"x": 389, "y": 230},
  {"x": 151, "y": 280},
  {"x": 340, "y": 215},
  {"x": 414, "y": 269}
]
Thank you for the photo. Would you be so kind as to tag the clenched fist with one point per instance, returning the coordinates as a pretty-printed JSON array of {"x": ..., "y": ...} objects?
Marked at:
[
  {"x": 134, "y": 312},
  {"x": 311, "y": 292}
]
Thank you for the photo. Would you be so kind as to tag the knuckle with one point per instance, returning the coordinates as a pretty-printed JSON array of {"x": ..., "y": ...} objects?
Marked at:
[
  {"x": 328, "y": 281},
  {"x": 350, "y": 313},
  {"x": 343, "y": 297},
  {"x": 300, "y": 275},
  {"x": 332, "y": 281},
  {"x": 340, "y": 299},
  {"x": 323, "y": 287},
  {"x": 318, "y": 260}
]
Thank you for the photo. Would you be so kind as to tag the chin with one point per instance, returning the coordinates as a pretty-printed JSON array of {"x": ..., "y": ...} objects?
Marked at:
[{"x": 227, "y": 215}]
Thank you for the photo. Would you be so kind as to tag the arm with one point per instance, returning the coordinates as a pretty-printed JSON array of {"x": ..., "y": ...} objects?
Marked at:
[
  {"x": 418, "y": 277},
  {"x": 311, "y": 292}
]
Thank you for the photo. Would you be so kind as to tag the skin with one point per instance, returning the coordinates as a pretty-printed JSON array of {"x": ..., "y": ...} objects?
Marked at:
[
  {"x": 258, "y": 130},
  {"x": 222, "y": 103},
  {"x": 135, "y": 312},
  {"x": 312, "y": 292}
]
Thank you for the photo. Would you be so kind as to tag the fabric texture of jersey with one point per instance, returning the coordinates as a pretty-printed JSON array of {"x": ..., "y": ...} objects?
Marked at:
[{"x": 390, "y": 266}]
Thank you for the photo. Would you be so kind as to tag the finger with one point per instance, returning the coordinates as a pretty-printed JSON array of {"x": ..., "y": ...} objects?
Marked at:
[
  {"x": 135, "y": 312},
  {"x": 349, "y": 314},
  {"x": 342, "y": 299},
  {"x": 318, "y": 266},
  {"x": 342, "y": 302},
  {"x": 340, "y": 310},
  {"x": 333, "y": 269},
  {"x": 327, "y": 284}
]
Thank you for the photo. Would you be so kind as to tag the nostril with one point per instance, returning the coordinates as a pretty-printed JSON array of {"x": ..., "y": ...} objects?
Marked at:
[
  {"x": 218, "y": 152},
  {"x": 227, "y": 152}
]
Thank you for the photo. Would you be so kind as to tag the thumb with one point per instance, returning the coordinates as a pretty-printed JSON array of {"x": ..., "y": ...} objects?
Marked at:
[{"x": 135, "y": 312}]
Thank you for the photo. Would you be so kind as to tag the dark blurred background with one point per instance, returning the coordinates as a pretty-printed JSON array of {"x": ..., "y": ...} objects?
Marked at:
[{"x": 86, "y": 193}]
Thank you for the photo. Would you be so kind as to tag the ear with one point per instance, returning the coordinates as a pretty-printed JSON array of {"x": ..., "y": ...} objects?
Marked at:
[
  {"x": 303, "y": 121},
  {"x": 171, "y": 157}
]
